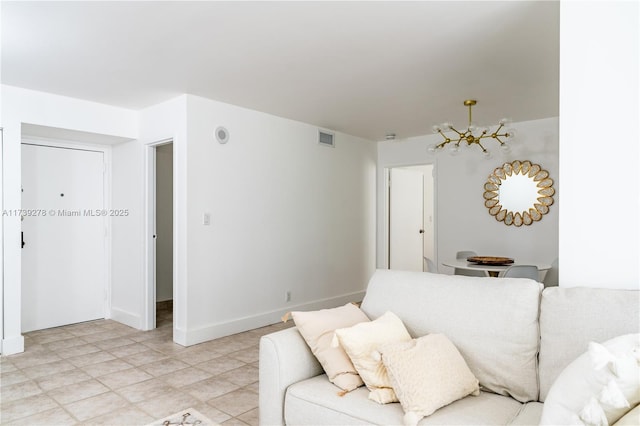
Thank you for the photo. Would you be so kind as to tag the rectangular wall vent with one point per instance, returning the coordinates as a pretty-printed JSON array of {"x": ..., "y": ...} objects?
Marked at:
[{"x": 326, "y": 138}]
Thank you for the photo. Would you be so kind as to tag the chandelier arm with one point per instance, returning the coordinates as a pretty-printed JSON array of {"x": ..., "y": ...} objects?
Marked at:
[
  {"x": 495, "y": 132},
  {"x": 443, "y": 135},
  {"x": 480, "y": 145},
  {"x": 459, "y": 133},
  {"x": 445, "y": 141},
  {"x": 499, "y": 140}
]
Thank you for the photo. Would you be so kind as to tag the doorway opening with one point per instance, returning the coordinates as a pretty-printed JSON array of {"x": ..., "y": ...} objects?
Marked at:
[
  {"x": 411, "y": 230},
  {"x": 160, "y": 276},
  {"x": 164, "y": 235}
]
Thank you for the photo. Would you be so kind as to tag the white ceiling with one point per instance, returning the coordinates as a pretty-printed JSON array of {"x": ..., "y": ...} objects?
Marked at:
[{"x": 363, "y": 68}]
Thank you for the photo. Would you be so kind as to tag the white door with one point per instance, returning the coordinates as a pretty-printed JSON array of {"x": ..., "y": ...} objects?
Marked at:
[
  {"x": 406, "y": 229},
  {"x": 63, "y": 256}
]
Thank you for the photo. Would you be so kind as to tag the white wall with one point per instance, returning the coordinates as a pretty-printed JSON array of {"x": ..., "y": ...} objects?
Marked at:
[
  {"x": 462, "y": 220},
  {"x": 599, "y": 154},
  {"x": 2, "y": 207},
  {"x": 287, "y": 215},
  {"x": 132, "y": 299},
  {"x": 127, "y": 233},
  {"x": 164, "y": 222},
  {"x": 20, "y": 107}
]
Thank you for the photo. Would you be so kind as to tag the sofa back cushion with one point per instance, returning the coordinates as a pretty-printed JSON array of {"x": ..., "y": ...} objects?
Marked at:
[
  {"x": 572, "y": 317},
  {"x": 493, "y": 322}
]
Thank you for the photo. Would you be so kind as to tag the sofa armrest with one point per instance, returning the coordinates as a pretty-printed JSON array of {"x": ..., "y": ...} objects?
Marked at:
[{"x": 285, "y": 359}]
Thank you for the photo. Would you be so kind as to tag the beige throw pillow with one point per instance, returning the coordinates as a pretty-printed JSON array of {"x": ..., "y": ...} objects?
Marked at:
[
  {"x": 317, "y": 329},
  {"x": 427, "y": 373},
  {"x": 361, "y": 341}
]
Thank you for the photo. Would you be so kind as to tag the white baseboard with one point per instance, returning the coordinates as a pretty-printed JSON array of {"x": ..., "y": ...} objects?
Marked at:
[
  {"x": 13, "y": 345},
  {"x": 127, "y": 318},
  {"x": 238, "y": 325}
]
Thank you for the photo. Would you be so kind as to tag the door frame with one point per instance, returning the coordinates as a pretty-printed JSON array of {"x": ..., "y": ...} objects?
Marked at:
[
  {"x": 2, "y": 239},
  {"x": 149, "y": 296},
  {"x": 384, "y": 238},
  {"x": 106, "y": 152}
]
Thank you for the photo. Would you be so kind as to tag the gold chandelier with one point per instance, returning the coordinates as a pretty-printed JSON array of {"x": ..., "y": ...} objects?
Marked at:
[{"x": 473, "y": 135}]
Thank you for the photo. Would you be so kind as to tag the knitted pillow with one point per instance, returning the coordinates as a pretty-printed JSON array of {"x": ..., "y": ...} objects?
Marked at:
[{"x": 427, "y": 373}]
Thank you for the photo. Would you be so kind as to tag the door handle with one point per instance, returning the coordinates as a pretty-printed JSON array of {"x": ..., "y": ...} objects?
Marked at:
[
  {"x": 22, "y": 239},
  {"x": 422, "y": 231}
]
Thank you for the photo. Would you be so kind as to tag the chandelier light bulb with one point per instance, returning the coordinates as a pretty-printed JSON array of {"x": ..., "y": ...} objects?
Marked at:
[
  {"x": 486, "y": 154},
  {"x": 431, "y": 148},
  {"x": 511, "y": 133},
  {"x": 446, "y": 126},
  {"x": 505, "y": 147},
  {"x": 505, "y": 121},
  {"x": 437, "y": 128},
  {"x": 454, "y": 149}
]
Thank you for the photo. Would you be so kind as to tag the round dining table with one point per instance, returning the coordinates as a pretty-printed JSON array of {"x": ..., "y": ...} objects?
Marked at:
[{"x": 492, "y": 270}]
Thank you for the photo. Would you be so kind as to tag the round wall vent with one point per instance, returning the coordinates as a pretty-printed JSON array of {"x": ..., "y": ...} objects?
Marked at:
[{"x": 222, "y": 135}]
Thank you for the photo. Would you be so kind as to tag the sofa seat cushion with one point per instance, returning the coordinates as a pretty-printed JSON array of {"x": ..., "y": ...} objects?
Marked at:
[
  {"x": 315, "y": 401},
  {"x": 530, "y": 414}
]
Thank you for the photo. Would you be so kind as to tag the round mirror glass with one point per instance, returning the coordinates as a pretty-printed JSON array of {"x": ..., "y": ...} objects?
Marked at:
[{"x": 519, "y": 193}]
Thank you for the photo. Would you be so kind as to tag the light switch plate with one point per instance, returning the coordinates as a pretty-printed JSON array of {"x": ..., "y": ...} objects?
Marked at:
[{"x": 206, "y": 218}]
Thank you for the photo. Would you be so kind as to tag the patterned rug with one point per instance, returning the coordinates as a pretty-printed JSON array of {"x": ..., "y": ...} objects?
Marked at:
[{"x": 185, "y": 418}]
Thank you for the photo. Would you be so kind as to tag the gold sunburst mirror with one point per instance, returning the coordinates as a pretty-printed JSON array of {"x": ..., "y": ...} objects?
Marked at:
[{"x": 518, "y": 193}]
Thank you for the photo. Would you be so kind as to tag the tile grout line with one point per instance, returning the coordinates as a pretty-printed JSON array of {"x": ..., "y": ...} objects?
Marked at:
[
  {"x": 43, "y": 392},
  {"x": 160, "y": 343}
]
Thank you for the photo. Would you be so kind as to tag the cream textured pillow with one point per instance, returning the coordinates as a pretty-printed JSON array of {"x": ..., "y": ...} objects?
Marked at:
[
  {"x": 598, "y": 387},
  {"x": 427, "y": 373},
  {"x": 317, "y": 328},
  {"x": 361, "y": 341}
]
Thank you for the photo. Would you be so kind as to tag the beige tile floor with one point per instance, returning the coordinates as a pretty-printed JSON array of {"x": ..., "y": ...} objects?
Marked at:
[{"x": 103, "y": 372}]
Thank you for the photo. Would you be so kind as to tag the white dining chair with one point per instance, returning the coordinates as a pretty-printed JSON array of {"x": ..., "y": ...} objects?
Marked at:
[
  {"x": 520, "y": 271},
  {"x": 462, "y": 255},
  {"x": 430, "y": 266},
  {"x": 551, "y": 277}
]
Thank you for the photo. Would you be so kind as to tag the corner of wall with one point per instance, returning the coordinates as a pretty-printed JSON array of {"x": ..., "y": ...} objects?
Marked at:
[
  {"x": 238, "y": 325},
  {"x": 126, "y": 318},
  {"x": 12, "y": 345}
]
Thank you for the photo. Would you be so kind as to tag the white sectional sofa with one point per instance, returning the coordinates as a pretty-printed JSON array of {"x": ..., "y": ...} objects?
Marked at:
[{"x": 515, "y": 338}]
